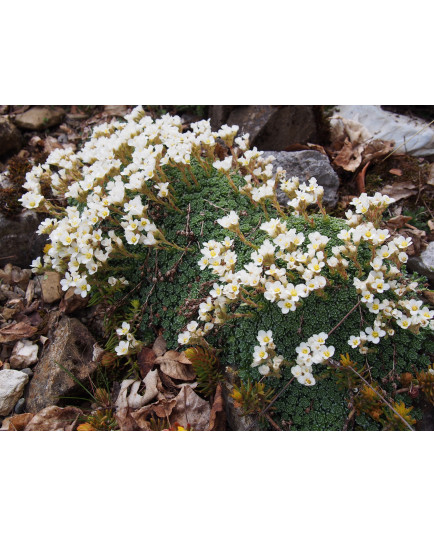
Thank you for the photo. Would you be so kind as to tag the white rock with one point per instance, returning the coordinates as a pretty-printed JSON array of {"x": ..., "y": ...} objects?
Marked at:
[
  {"x": 366, "y": 123},
  {"x": 24, "y": 354},
  {"x": 12, "y": 383}
]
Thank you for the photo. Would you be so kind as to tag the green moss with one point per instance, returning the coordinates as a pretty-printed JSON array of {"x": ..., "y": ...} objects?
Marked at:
[{"x": 171, "y": 304}]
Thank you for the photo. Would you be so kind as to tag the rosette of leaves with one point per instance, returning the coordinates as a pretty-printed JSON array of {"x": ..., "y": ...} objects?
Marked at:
[{"x": 207, "y": 368}]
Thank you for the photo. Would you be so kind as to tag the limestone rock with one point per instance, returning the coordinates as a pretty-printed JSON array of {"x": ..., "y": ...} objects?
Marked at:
[
  {"x": 304, "y": 165},
  {"x": 50, "y": 283},
  {"x": 12, "y": 383},
  {"x": 24, "y": 354},
  {"x": 19, "y": 243},
  {"x": 39, "y": 118},
  {"x": 72, "y": 347},
  {"x": 10, "y": 137},
  {"x": 424, "y": 264}
]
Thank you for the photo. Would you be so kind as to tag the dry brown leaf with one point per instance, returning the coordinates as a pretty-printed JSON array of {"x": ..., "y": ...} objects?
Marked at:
[
  {"x": 376, "y": 149},
  {"x": 349, "y": 157},
  {"x": 166, "y": 385},
  {"x": 176, "y": 365},
  {"x": 17, "y": 423},
  {"x": 146, "y": 358},
  {"x": 54, "y": 418},
  {"x": 164, "y": 408},
  {"x": 161, "y": 409},
  {"x": 130, "y": 398},
  {"x": 159, "y": 346},
  {"x": 191, "y": 409},
  {"x": 172, "y": 355},
  {"x": 16, "y": 332},
  {"x": 397, "y": 172},
  {"x": 398, "y": 222},
  {"x": 417, "y": 235},
  {"x": 400, "y": 190},
  {"x": 30, "y": 292},
  {"x": 217, "y": 420}
]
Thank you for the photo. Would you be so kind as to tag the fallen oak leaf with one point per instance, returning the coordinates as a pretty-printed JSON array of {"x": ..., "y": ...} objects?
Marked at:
[
  {"x": 162, "y": 409},
  {"x": 146, "y": 359},
  {"x": 54, "y": 418},
  {"x": 176, "y": 365},
  {"x": 399, "y": 190},
  {"x": 160, "y": 346},
  {"x": 349, "y": 157},
  {"x": 14, "y": 332},
  {"x": 398, "y": 221},
  {"x": 17, "y": 423},
  {"x": 191, "y": 409},
  {"x": 129, "y": 396}
]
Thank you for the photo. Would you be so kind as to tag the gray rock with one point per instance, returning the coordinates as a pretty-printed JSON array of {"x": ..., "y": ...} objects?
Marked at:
[
  {"x": 20, "y": 405},
  {"x": 71, "y": 347},
  {"x": 12, "y": 383},
  {"x": 236, "y": 421},
  {"x": 219, "y": 114},
  {"x": 39, "y": 118},
  {"x": 10, "y": 137},
  {"x": 275, "y": 128},
  {"x": 28, "y": 371},
  {"x": 424, "y": 264},
  {"x": 304, "y": 165},
  {"x": 19, "y": 243}
]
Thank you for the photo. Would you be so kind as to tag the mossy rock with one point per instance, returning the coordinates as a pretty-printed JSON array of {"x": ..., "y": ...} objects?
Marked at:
[{"x": 321, "y": 407}]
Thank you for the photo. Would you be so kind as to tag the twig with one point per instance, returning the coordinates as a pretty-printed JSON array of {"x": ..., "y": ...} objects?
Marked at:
[
  {"x": 339, "y": 365},
  {"x": 273, "y": 423},
  {"x": 350, "y": 416},
  {"x": 272, "y": 402},
  {"x": 343, "y": 319},
  {"x": 220, "y": 208},
  {"x": 406, "y": 141}
]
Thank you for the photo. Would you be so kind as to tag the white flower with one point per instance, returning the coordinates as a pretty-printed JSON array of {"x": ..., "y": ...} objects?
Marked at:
[
  {"x": 124, "y": 329},
  {"x": 265, "y": 337},
  {"x": 230, "y": 221},
  {"x": 31, "y": 200},
  {"x": 184, "y": 337},
  {"x": 354, "y": 341},
  {"x": 264, "y": 370},
  {"x": 122, "y": 348}
]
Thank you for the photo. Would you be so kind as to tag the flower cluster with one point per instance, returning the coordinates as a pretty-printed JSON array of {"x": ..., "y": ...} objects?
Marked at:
[
  {"x": 302, "y": 195},
  {"x": 264, "y": 355},
  {"x": 128, "y": 343},
  {"x": 314, "y": 351}
]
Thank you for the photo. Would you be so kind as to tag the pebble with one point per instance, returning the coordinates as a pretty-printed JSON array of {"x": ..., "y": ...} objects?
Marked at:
[
  {"x": 28, "y": 371},
  {"x": 19, "y": 406}
]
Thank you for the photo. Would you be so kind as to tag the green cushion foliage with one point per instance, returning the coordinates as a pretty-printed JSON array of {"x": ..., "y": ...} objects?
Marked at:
[{"x": 320, "y": 407}]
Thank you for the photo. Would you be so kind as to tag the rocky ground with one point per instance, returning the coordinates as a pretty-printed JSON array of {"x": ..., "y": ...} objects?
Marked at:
[{"x": 53, "y": 373}]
